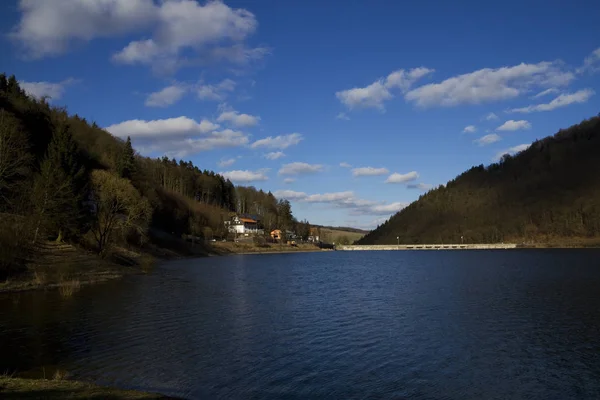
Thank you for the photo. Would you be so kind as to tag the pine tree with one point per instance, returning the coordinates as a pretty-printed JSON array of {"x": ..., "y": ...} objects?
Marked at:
[
  {"x": 3, "y": 83},
  {"x": 59, "y": 189},
  {"x": 13, "y": 86},
  {"x": 126, "y": 162},
  {"x": 14, "y": 158}
]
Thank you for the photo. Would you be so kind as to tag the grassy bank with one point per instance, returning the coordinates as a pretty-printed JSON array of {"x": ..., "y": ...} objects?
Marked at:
[
  {"x": 223, "y": 248},
  {"x": 18, "y": 388},
  {"x": 67, "y": 267}
]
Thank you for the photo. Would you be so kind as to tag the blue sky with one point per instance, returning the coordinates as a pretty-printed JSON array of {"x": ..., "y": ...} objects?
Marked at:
[{"x": 349, "y": 109}]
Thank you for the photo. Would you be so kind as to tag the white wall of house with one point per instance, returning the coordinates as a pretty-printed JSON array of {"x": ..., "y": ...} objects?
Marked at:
[
  {"x": 243, "y": 229},
  {"x": 237, "y": 229}
]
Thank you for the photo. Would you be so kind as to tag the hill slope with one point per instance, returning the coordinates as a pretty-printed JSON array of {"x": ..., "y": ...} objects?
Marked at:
[
  {"x": 549, "y": 193},
  {"x": 63, "y": 178}
]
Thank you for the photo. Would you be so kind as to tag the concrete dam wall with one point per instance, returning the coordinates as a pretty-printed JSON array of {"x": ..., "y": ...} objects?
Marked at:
[{"x": 480, "y": 246}]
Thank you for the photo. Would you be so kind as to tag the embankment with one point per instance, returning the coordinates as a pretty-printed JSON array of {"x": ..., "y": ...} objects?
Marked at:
[
  {"x": 224, "y": 248},
  {"x": 481, "y": 246},
  {"x": 63, "y": 266}
]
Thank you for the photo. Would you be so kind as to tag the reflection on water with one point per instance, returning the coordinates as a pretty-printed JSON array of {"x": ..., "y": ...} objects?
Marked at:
[{"x": 418, "y": 325}]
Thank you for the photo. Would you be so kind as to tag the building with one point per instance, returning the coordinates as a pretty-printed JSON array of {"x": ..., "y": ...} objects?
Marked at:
[
  {"x": 243, "y": 225},
  {"x": 313, "y": 236}
]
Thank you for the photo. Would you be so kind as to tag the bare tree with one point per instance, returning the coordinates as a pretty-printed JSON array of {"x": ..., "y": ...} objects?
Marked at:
[{"x": 118, "y": 206}]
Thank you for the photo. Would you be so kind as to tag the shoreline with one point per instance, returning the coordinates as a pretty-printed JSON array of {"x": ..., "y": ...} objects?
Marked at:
[
  {"x": 142, "y": 261},
  {"x": 230, "y": 248},
  {"x": 86, "y": 268},
  {"x": 64, "y": 388},
  {"x": 279, "y": 252}
]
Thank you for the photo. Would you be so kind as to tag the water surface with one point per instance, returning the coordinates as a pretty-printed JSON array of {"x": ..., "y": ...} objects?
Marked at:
[{"x": 516, "y": 324}]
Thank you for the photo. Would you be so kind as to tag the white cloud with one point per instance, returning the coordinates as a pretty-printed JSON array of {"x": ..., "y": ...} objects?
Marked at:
[
  {"x": 278, "y": 142},
  {"x": 289, "y": 180},
  {"x": 237, "y": 119},
  {"x": 421, "y": 186},
  {"x": 512, "y": 125},
  {"x": 300, "y": 168},
  {"x": 171, "y": 127},
  {"x": 372, "y": 96},
  {"x": 245, "y": 176},
  {"x": 486, "y": 85},
  {"x": 470, "y": 129},
  {"x": 51, "y": 27},
  {"x": 274, "y": 155},
  {"x": 346, "y": 199},
  {"x": 142, "y": 51},
  {"x": 488, "y": 139},
  {"x": 402, "y": 178},
  {"x": 226, "y": 163},
  {"x": 180, "y": 147},
  {"x": 373, "y": 223},
  {"x": 215, "y": 140},
  {"x": 375, "y": 94},
  {"x": 345, "y": 165},
  {"x": 563, "y": 100},
  {"x": 591, "y": 63},
  {"x": 343, "y": 116},
  {"x": 166, "y": 97},
  {"x": 41, "y": 89},
  {"x": 490, "y": 117},
  {"x": 290, "y": 195},
  {"x": 166, "y": 30},
  {"x": 512, "y": 150},
  {"x": 216, "y": 92},
  {"x": 545, "y": 93},
  {"x": 188, "y": 25},
  {"x": 369, "y": 171},
  {"x": 239, "y": 54},
  {"x": 386, "y": 209},
  {"x": 403, "y": 80}
]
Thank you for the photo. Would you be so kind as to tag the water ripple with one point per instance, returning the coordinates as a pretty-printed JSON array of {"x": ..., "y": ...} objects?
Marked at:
[{"x": 380, "y": 325}]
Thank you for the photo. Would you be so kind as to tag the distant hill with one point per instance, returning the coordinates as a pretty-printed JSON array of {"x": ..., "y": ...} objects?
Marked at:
[
  {"x": 344, "y": 229},
  {"x": 340, "y": 235},
  {"x": 548, "y": 193}
]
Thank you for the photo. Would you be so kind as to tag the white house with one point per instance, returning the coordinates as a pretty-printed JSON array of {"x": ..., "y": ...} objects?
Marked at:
[{"x": 242, "y": 225}]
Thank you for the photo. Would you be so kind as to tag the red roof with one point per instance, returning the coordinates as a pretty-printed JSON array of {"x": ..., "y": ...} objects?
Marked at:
[{"x": 251, "y": 221}]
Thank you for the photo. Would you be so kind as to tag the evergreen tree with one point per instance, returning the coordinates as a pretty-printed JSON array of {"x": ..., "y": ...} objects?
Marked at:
[
  {"x": 3, "y": 83},
  {"x": 13, "y": 86},
  {"x": 126, "y": 161},
  {"x": 14, "y": 158},
  {"x": 59, "y": 188}
]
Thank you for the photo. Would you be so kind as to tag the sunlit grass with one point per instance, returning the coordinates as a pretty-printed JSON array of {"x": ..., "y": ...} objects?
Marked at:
[
  {"x": 54, "y": 389},
  {"x": 68, "y": 288},
  {"x": 146, "y": 263}
]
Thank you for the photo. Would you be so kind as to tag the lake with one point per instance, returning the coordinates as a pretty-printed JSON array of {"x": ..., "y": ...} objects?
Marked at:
[{"x": 507, "y": 324}]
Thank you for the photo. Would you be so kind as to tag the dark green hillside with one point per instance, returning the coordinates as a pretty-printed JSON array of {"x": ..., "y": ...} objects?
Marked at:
[
  {"x": 63, "y": 178},
  {"x": 549, "y": 193}
]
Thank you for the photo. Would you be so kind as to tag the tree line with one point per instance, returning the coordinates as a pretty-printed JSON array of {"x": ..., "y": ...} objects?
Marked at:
[
  {"x": 547, "y": 193},
  {"x": 64, "y": 178}
]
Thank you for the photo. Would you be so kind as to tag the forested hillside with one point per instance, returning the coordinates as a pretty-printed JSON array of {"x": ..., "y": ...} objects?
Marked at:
[
  {"x": 549, "y": 193},
  {"x": 64, "y": 178}
]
